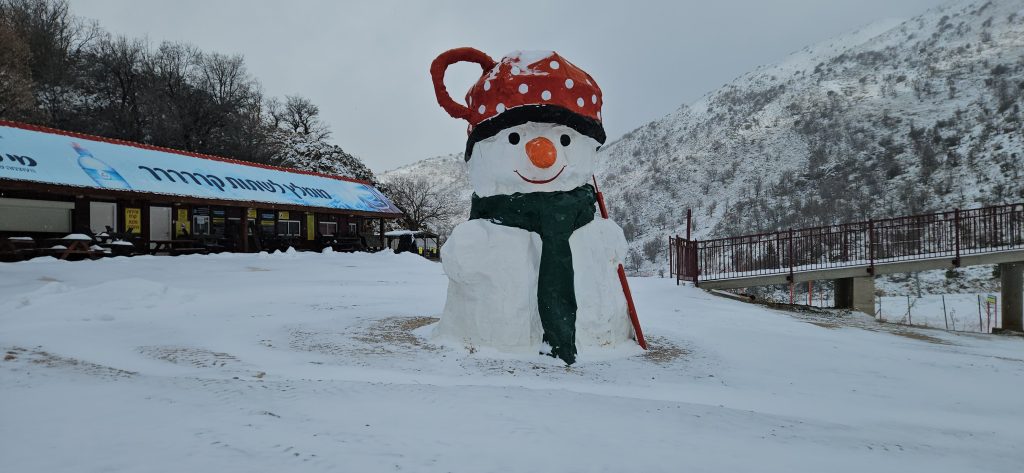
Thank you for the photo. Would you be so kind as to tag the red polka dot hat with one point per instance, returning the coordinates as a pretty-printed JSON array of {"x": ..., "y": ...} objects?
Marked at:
[{"x": 523, "y": 87}]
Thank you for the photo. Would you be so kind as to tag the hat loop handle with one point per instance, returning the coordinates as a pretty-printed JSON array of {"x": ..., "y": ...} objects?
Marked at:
[{"x": 440, "y": 65}]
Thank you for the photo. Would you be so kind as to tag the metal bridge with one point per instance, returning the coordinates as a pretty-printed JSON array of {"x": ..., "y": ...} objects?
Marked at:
[{"x": 853, "y": 253}]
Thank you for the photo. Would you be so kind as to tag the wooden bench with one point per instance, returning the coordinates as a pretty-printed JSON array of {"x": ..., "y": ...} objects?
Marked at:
[
  {"x": 187, "y": 251},
  {"x": 177, "y": 247},
  {"x": 347, "y": 244}
]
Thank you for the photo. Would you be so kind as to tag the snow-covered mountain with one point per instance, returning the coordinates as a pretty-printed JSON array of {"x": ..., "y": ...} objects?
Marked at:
[
  {"x": 449, "y": 170},
  {"x": 895, "y": 118}
]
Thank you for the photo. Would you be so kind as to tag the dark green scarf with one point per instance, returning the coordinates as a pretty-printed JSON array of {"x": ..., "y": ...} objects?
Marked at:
[{"x": 553, "y": 216}]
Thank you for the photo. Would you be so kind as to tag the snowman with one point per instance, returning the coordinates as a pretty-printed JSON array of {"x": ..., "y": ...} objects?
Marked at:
[{"x": 534, "y": 267}]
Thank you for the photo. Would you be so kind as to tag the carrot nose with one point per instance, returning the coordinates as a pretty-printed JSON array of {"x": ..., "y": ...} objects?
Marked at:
[{"x": 542, "y": 152}]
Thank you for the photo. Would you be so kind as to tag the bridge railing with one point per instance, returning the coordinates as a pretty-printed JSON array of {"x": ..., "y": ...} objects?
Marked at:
[{"x": 943, "y": 234}]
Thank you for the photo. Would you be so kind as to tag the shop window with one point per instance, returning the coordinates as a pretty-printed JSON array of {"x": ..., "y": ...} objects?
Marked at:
[
  {"x": 267, "y": 223},
  {"x": 23, "y": 215},
  {"x": 328, "y": 228},
  {"x": 102, "y": 215},
  {"x": 288, "y": 228},
  {"x": 201, "y": 225},
  {"x": 218, "y": 221}
]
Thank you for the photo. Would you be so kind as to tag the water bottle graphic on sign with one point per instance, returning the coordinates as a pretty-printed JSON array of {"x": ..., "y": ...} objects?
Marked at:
[{"x": 101, "y": 172}]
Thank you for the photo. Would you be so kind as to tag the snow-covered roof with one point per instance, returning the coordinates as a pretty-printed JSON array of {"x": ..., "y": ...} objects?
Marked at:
[{"x": 42, "y": 155}]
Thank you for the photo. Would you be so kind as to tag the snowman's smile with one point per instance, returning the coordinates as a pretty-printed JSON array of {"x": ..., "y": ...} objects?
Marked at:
[{"x": 540, "y": 181}]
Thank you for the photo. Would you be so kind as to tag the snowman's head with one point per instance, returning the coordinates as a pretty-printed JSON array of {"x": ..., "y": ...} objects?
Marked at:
[
  {"x": 532, "y": 157},
  {"x": 534, "y": 121}
]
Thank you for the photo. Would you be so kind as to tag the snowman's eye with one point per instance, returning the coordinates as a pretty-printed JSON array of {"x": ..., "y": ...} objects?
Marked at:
[
  {"x": 566, "y": 140},
  {"x": 513, "y": 138}
]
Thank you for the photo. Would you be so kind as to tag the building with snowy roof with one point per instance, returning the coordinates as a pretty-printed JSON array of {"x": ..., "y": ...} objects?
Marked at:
[{"x": 54, "y": 183}]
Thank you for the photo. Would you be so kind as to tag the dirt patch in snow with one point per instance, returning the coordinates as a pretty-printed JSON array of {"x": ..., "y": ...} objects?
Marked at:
[
  {"x": 397, "y": 331},
  {"x": 387, "y": 336},
  {"x": 661, "y": 351},
  {"x": 914, "y": 335},
  {"x": 318, "y": 341},
  {"x": 198, "y": 357},
  {"x": 49, "y": 360}
]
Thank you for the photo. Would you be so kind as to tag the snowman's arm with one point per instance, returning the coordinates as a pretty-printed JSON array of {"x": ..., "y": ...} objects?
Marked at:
[
  {"x": 606, "y": 237},
  {"x": 479, "y": 248},
  {"x": 457, "y": 253}
]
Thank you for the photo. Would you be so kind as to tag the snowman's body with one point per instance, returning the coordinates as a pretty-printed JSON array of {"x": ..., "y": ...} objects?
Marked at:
[{"x": 493, "y": 268}]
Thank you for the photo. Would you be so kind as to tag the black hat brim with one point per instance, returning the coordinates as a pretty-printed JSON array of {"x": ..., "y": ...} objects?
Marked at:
[{"x": 534, "y": 113}]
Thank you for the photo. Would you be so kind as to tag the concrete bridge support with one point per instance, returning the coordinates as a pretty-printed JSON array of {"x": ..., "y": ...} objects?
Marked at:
[
  {"x": 1011, "y": 278},
  {"x": 856, "y": 293}
]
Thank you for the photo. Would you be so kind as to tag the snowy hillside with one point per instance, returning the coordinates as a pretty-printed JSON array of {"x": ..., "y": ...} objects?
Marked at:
[
  {"x": 307, "y": 362},
  {"x": 894, "y": 118},
  {"x": 449, "y": 170}
]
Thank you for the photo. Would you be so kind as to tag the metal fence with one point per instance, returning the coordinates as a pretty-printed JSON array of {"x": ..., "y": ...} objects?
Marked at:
[{"x": 944, "y": 234}]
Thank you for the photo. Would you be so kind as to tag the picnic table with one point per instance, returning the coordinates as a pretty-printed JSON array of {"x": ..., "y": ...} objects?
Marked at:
[
  {"x": 73, "y": 244},
  {"x": 17, "y": 248},
  {"x": 177, "y": 247},
  {"x": 119, "y": 248},
  {"x": 347, "y": 243}
]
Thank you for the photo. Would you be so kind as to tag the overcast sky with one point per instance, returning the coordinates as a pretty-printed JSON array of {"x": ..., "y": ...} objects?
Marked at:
[{"x": 366, "y": 64}]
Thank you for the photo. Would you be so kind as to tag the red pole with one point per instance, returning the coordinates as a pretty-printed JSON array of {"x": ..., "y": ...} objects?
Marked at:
[
  {"x": 632, "y": 309},
  {"x": 810, "y": 293},
  {"x": 622, "y": 279},
  {"x": 600, "y": 200}
]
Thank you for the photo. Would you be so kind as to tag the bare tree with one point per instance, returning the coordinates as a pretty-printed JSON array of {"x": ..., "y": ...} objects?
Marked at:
[
  {"x": 119, "y": 75},
  {"x": 300, "y": 115},
  {"x": 273, "y": 111},
  {"x": 57, "y": 41},
  {"x": 426, "y": 203},
  {"x": 16, "y": 100},
  {"x": 226, "y": 79}
]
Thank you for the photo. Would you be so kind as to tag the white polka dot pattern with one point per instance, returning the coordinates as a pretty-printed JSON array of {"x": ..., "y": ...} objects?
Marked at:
[{"x": 551, "y": 81}]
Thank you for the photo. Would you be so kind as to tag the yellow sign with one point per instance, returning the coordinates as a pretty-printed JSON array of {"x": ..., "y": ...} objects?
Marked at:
[
  {"x": 310, "y": 226},
  {"x": 251, "y": 213},
  {"x": 182, "y": 225},
  {"x": 133, "y": 220},
  {"x": 282, "y": 215},
  {"x": 990, "y": 299}
]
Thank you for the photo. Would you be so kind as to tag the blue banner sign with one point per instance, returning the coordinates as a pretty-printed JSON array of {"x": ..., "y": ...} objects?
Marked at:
[{"x": 50, "y": 158}]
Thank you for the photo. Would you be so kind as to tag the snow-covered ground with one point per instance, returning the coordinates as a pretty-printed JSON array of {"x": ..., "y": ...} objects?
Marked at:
[{"x": 322, "y": 362}]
